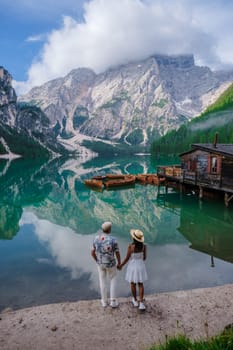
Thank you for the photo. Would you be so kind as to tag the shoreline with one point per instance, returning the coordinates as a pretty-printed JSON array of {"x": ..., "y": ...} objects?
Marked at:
[{"x": 197, "y": 313}]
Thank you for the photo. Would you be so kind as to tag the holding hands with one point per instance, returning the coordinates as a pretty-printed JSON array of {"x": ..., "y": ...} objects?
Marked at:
[{"x": 119, "y": 266}]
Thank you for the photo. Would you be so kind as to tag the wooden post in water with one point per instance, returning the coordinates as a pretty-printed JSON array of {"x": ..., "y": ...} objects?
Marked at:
[
  {"x": 200, "y": 192},
  {"x": 227, "y": 198}
]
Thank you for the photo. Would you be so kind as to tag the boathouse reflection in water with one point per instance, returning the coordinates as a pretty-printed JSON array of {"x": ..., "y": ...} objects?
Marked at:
[{"x": 208, "y": 226}]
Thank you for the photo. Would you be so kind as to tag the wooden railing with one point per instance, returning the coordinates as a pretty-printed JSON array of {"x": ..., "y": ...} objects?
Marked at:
[{"x": 191, "y": 177}]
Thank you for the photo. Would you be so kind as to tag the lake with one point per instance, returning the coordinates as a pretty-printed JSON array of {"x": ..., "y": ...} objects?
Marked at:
[{"x": 48, "y": 219}]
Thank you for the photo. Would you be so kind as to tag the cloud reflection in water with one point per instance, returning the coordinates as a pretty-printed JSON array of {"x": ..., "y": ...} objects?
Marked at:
[{"x": 170, "y": 266}]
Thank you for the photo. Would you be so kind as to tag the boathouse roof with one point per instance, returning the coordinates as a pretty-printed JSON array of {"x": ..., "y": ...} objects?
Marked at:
[{"x": 220, "y": 148}]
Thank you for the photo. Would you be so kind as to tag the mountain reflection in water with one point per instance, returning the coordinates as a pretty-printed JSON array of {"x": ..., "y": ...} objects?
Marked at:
[{"x": 49, "y": 219}]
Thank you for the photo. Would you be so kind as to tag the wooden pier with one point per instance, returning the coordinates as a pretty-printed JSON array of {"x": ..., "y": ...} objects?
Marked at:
[{"x": 207, "y": 169}]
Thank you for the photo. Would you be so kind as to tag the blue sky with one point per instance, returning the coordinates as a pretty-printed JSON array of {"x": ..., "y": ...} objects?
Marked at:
[
  {"x": 21, "y": 20},
  {"x": 45, "y": 39}
]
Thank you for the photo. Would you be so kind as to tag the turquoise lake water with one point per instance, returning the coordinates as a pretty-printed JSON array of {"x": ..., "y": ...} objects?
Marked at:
[{"x": 48, "y": 219}]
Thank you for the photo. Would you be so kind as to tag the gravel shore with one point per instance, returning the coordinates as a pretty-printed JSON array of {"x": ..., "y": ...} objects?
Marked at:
[{"x": 198, "y": 313}]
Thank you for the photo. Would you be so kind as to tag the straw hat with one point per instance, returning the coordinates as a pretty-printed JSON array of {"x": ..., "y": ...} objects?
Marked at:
[
  {"x": 106, "y": 226},
  {"x": 137, "y": 234}
]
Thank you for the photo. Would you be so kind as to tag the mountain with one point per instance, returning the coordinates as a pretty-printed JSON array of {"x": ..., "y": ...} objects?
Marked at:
[
  {"x": 217, "y": 118},
  {"x": 7, "y": 98},
  {"x": 24, "y": 129},
  {"x": 130, "y": 105}
]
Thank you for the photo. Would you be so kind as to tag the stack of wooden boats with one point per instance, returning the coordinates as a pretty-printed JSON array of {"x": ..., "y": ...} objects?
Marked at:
[
  {"x": 118, "y": 180},
  {"x": 151, "y": 179}
]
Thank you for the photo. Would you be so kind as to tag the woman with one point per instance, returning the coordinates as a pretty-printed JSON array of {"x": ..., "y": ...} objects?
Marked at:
[{"x": 136, "y": 272}]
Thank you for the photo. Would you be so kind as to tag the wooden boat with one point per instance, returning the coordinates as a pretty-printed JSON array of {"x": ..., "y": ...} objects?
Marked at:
[
  {"x": 115, "y": 176},
  {"x": 151, "y": 179},
  {"x": 127, "y": 180},
  {"x": 141, "y": 178},
  {"x": 119, "y": 180},
  {"x": 94, "y": 183}
]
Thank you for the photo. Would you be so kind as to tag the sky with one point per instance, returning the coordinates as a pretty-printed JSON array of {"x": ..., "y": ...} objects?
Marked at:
[{"x": 41, "y": 40}]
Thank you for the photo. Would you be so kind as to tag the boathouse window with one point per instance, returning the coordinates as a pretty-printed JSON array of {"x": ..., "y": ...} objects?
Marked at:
[
  {"x": 214, "y": 167},
  {"x": 192, "y": 164}
]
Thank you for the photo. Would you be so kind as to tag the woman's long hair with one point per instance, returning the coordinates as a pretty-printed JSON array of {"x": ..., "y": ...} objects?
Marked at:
[{"x": 138, "y": 245}]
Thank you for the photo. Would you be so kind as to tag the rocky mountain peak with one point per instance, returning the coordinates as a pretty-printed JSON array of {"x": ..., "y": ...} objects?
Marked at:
[
  {"x": 24, "y": 128},
  {"x": 178, "y": 61},
  {"x": 133, "y": 103},
  {"x": 8, "y": 98}
]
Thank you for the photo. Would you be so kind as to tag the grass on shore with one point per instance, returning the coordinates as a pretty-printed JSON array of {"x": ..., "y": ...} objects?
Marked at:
[{"x": 222, "y": 342}]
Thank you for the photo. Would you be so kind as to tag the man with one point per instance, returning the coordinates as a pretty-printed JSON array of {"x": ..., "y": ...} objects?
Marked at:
[{"x": 105, "y": 252}]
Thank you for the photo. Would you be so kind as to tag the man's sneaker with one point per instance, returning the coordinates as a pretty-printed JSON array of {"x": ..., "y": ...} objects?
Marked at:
[
  {"x": 142, "y": 306},
  {"x": 114, "y": 303},
  {"x": 103, "y": 303},
  {"x": 134, "y": 302}
]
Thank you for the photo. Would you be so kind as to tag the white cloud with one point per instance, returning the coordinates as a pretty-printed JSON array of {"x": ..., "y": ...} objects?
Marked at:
[
  {"x": 71, "y": 251},
  {"x": 68, "y": 249},
  {"x": 118, "y": 31}
]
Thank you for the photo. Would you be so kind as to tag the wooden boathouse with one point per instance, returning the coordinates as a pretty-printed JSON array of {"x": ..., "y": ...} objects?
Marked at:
[{"x": 206, "y": 169}]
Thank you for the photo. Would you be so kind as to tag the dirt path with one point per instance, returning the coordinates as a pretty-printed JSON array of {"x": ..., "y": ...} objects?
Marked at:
[{"x": 86, "y": 325}]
